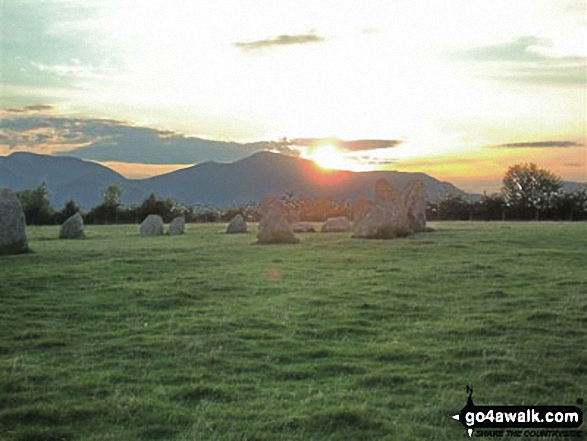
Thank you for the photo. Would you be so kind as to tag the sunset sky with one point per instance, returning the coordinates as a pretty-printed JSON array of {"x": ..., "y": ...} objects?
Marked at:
[{"x": 458, "y": 89}]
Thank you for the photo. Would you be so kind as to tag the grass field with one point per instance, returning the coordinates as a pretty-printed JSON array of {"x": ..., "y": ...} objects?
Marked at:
[{"x": 208, "y": 337}]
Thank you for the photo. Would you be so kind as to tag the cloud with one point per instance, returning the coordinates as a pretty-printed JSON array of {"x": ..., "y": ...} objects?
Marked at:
[
  {"x": 521, "y": 49},
  {"x": 43, "y": 131},
  {"x": 75, "y": 69},
  {"x": 281, "y": 40},
  {"x": 541, "y": 144},
  {"x": 527, "y": 60},
  {"x": 31, "y": 109},
  {"x": 348, "y": 146}
]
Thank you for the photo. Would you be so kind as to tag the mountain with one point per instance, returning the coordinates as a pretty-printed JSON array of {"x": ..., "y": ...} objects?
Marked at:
[
  {"x": 265, "y": 173},
  {"x": 249, "y": 179},
  {"x": 66, "y": 178}
]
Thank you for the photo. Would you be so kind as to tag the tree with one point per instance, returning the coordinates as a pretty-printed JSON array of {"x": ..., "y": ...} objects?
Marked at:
[
  {"x": 455, "y": 207},
  {"x": 572, "y": 206},
  {"x": 107, "y": 211},
  {"x": 166, "y": 208},
  {"x": 489, "y": 207},
  {"x": 528, "y": 189},
  {"x": 111, "y": 195},
  {"x": 36, "y": 206}
]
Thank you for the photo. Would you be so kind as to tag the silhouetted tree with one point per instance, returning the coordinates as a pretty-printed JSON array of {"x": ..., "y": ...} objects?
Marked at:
[
  {"x": 529, "y": 190},
  {"x": 455, "y": 207},
  {"x": 489, "y": 208}
]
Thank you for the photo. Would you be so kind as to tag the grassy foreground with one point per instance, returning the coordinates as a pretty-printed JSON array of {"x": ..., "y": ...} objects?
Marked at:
[{"x": 207, "y": 337}]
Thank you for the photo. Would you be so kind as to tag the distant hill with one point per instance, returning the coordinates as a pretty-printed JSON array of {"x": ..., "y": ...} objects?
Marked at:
[
  {"x": 249, "y": 179},
  {"x": 66, "y": 178},
  {"x": 571, "y": 187}
]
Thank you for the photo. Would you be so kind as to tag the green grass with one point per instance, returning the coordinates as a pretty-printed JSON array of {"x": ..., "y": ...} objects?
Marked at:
[{"x": 208, "y": 337}]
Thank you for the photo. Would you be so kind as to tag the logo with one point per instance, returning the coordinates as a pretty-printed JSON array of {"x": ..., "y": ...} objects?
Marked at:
[{"x": 518, "y": 421}]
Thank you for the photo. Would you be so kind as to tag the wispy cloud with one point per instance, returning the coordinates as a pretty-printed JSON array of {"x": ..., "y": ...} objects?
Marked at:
[
  {"x": 281, "y": 40},
  {"x": 522, "y": 49},
  {"x": 30, "y": 109},
  {"x": 75, "y": 69},
  {"x": 541, "y": 144},
  {"x": 527, "y": 59}
]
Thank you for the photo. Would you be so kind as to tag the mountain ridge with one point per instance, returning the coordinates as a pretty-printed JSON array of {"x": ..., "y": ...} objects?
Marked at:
[{"x": 209, "y": 183}]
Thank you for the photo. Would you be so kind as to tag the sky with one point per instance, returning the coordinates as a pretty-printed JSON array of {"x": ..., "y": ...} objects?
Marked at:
[{"x": 458, "y": 89}]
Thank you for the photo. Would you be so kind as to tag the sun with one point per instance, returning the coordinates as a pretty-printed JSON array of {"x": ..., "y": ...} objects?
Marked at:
[{"x": 328, "y": 157}]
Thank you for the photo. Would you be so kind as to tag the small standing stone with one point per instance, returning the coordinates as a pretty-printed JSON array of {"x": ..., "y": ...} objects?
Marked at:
[
  {"x": 275, "y": 224},
  {"x": 177, "y": 226},
  {"x": 336, "y": 225},
  {"x": 303, "y": 227},
  {"x": 73, "y": 228},
  {"x": 237, "y": 225},
  {"x": 152, "y": 226}
]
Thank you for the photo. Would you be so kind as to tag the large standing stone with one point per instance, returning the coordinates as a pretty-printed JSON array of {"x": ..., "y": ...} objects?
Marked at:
[
  {"x": 12, "y": 224},
  {"x": 152, "y": 226},
  {"x": 73, "y": 228},
  {"x": 387, "y": 218},
  {"x": 415, "y": 202},
  {"x": 237, "y": 225},
  {"x": 177, "y": 226},
  {"x": 336, "y": 225},
  {"x": 275, "y": 225}
]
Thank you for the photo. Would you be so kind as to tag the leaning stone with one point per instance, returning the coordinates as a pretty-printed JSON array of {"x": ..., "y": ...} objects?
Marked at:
[
  {"x": 336, "y": 225},
  {"x": 12, "y": 224},
  {"x": 73, "y": 228},
  {"x": 177, "y": 226},
  {"x": 237, "y": 225},
  {"x": 152, "y": 226},
  {"x": 275, "y": 225}
]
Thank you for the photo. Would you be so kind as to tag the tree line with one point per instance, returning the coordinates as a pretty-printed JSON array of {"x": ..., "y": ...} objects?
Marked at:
[{"x": 528, "y": 193}]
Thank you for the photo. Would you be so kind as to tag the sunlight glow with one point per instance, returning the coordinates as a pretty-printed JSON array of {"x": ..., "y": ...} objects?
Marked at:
[{"x": 330, "y": 158}]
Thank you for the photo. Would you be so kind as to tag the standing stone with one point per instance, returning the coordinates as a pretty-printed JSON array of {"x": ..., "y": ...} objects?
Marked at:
[
  {"x": 275, "y": 225},
  {"x": 237, "y": 225},
  {"x": 152, "y": 226},
  {"x": 336, "y": 225},
  {"x": 303, "y": 227},
  {"x": 177, "y": 226},
  {"x": 73, "y": 228},
  {"x": 12, "y": 224},
  {"x": 415, "y": 202},
  {"x": 387, "y": 218}
]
